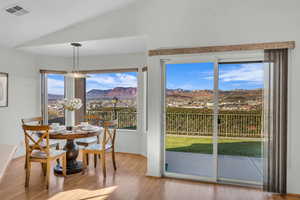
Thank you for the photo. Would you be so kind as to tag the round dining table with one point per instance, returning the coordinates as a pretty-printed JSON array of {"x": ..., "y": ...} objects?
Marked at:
[{"x": 72, "y": 150}]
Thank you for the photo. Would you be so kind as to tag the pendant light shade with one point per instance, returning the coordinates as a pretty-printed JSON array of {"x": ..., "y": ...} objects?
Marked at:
[{"x": 75, "y": 73}]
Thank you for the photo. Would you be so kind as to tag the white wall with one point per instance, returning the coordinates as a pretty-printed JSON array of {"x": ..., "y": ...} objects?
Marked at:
[
  {"x": 24, "y": 96},
  {"x": 177, "y": 23},
  {"x": 206, "y": 22}
]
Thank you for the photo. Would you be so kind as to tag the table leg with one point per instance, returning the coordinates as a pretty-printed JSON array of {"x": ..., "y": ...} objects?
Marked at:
[{"x": 73, "y": 166}]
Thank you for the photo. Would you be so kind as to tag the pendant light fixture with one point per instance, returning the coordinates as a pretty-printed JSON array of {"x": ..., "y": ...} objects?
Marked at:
[{"x": 75, "y": 73}]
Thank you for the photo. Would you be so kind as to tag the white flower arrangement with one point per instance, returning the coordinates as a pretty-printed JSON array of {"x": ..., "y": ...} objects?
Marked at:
[{"x": 71, "y": 104}]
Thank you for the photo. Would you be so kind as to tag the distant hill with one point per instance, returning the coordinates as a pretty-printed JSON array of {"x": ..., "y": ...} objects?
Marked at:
[
  {"x": 119, "y": 92},
  {"x": 55, "y": 97},
  {"x": 180, "y": 93},
  {"x": 227, "y": 95},
  {"x": 130, "y": 92}
]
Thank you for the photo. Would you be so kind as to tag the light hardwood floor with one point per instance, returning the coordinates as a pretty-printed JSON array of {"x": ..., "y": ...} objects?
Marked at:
[{"x": 127, "y": 183}]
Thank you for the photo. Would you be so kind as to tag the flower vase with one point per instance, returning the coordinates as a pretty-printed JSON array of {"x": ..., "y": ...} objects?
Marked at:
[
  {"x": 70, "y": 105},
  {"x": 70, "y": 119}
]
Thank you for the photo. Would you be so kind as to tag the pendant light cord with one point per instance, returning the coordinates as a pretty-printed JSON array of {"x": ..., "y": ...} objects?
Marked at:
[
  {"x": 74, "y": 64},
  {"x": 78, "y": 58},
  {"x": 76, "y": 73}
]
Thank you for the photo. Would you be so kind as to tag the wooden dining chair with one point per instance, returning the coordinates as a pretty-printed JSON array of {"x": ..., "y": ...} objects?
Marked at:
[
  {"x": 107, "y": 143},
  {"x": 93, "y": 120},
  {"x": 39, "y": 151},
  {"x": 37, "y": 121}
]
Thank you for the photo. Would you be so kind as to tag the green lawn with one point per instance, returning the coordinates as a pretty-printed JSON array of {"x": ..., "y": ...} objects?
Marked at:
[{"x": 239, "y": 147}]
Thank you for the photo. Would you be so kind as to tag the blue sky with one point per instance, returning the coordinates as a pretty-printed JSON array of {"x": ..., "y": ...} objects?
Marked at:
[
  {"x": 189, "y": 76},
  {"x": 199, "y": 76},
  {"x": 96, "y": 81},
  {"x": 111, "y": 80},
  {"x": 56, "y": 84}
]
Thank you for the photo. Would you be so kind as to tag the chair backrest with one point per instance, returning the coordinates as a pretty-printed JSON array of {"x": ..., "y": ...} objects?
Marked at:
[
  {"x": 37, "y": 120},
  {"x": 93, "y": 119},
  {"x": 36, "y": 142},
  {"x": 109, "y": 135}
]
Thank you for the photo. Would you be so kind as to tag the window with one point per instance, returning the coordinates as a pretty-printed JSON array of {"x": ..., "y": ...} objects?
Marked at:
[
  {"x": 103, "y": 88},
  {"x": 145, "y": 77},
  {"x": 54, "y": 85}
]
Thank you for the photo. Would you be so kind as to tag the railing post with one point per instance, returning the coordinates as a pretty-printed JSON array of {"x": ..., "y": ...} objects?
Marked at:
[{"x": 187, "y": 123}]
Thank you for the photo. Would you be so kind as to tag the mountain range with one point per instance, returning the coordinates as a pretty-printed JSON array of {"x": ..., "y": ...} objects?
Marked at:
[
  {"x": 119, "y": 92},
  {"x": 130, "y": 92},
  {"x": 225, "y": 95}
]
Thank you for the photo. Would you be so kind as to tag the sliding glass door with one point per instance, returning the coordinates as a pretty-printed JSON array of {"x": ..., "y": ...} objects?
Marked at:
[
  {"x": 189, "y": 118},
  {"x": 240, "y": 128},
  {"x": 214, "y": 121}
]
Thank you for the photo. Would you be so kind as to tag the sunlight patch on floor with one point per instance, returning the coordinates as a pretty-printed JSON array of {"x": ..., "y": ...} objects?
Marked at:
[{"x": 82, "y": 194}]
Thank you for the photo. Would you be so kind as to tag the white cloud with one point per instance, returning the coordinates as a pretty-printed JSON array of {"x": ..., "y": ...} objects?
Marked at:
[
  {"x": 55, "y": 86},
  {"x": 108, "y": 81},
  {"x": 247, "y": 72}
]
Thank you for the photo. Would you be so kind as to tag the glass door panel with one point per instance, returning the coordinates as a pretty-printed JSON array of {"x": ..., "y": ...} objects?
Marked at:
[
  {"x": 240, "y": 122},
  {"x": 189, "y": 98}
]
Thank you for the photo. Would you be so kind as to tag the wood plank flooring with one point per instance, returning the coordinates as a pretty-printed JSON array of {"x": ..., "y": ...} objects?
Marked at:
[{"x": 127, "y": 183}]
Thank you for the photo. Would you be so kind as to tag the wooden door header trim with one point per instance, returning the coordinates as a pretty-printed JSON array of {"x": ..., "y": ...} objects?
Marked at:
[
  {"x": 238, "y": 47},
  {"x": 144, "y": 69}
]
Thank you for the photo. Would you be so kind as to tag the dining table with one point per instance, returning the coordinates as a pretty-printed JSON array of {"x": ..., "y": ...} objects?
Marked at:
[{"x": 72, "y": 151}]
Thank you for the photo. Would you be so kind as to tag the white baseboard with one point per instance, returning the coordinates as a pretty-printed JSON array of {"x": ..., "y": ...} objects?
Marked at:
[{"x": 6, "y": 155}]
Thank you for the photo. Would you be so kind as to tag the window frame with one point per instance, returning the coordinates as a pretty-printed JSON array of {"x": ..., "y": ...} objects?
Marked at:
[
  {"x": 44, "y": 96},
  {"x": 142, "y": 93},
  {"x": 139, "y": 97}
]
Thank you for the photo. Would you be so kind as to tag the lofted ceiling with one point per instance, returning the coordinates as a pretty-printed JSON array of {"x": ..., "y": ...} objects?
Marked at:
[
  {"x": 48, "y": 16},
  {"x": 95, "y": 47}
]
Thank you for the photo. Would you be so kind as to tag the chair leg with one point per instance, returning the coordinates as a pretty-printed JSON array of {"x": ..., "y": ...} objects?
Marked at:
[
  {"x": 57, "y": 160},
  {"x": 28, "y": 168},
  {"x": 114, "y": 158},
  {"x": 43, "y": 165},
  {"x": 95, "y": 160},
  {"x": 84, "y": 162},
  {"x": 103, "y": 163},
  {"x": 87, "y": 159},
  {"x": 65, "y": 165},
  {"x": 48, "y": 173},
  {"x": 25, "y": 165}
]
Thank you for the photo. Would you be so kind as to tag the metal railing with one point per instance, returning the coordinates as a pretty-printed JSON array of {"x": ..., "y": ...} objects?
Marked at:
[
  {"x": 196, "y": 124},
  {"x": 126, "y": 120},
  {"x": 230, "y": 125}
]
